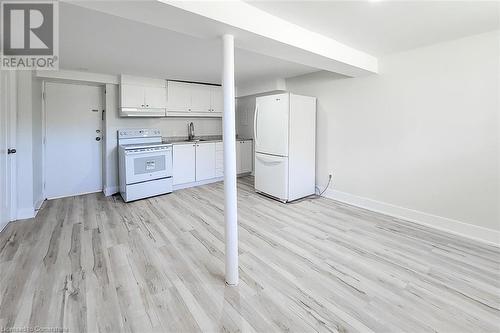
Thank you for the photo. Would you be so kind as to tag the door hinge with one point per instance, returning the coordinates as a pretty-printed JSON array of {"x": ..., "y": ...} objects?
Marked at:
[{"x": 43, "y": 95}]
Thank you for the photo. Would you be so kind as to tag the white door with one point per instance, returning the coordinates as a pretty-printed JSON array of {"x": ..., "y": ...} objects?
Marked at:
[
  {"x": 73, "y": 148},
  {"x": 271, "y": 124},
  {"x": 246, "y": 156},
  {"x": 205, "y": 161},
  {"x": 7, "y": 135},
  {"x": 184, "y": 163},
  {"x": 179, "y": 96},
  {"x": 156, "y": 97},
  {"x": 132, "y": 96},
  {"x": 271, "y": 175},
  {"x": 201, "y": 98}
]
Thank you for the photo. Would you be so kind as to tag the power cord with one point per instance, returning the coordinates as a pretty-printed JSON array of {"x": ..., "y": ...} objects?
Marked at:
[
  {"x": 313, "y": 196},
  {"x": 326, "y": 188}
]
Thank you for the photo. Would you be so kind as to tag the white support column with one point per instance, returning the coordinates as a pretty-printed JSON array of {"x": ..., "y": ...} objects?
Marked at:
[{"x": 230, "y": 195}]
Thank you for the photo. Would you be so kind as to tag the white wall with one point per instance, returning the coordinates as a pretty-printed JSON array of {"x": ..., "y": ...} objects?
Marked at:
[
  {"x": 168, "y": 127},
  {"x": 423, "y": 135}
]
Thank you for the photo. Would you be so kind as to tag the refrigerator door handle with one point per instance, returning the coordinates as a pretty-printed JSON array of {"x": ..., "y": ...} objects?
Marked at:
[
  {"x": 255, "y": 123},
  {"x": 268, "y": 160}
]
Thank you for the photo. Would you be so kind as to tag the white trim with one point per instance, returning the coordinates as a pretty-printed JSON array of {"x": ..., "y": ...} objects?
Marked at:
[
  {"x": 207, "y": 181},
  {"x": 44, "y": 138},
  {"x": 78, "y": 76},
  {"x": 193, "y": 184},
  {"x": 485, "y": 235},
  {"x": 74, "y": 195},
  {"x": 110, "y": 190},
  {"x": 12, "y": 116},
  {"x": 38, "y": 205}
]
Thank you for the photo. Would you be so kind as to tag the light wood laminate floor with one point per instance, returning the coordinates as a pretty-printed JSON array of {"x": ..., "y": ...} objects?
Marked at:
[{"x": 91, "y": 263}]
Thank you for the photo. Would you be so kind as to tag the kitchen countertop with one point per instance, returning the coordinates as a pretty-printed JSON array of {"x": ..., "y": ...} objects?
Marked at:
[{"x": 205, "y": 138}]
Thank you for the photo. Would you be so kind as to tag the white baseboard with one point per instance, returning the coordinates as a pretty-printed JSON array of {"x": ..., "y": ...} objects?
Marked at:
[
  {"x": 38, "y": 204},
  {"x": 485, "y": 235},
  {"x": 203, "y": 182},
  {"x": 110, "y": 190}
]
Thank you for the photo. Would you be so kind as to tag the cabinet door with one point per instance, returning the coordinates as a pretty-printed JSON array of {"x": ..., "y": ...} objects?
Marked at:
[
  {"x": 246, "y": 156},
  {"x": 238, "y": 157},
  {"x": 184, "y": 163},
  {"x": 219, "y": 159},
  {"x": 131, "y": 96},
  {"x": 200, "y": 98},
  {"x": 217, "y": 100},
  {"x": 205, "y": 161},
  {"x": 179, "y": 96},
  {"x": 155, "y": 97}
]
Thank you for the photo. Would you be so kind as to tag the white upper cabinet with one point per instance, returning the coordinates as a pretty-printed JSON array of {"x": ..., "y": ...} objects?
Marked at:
[
  {"x": 155, "y": 97},
  {"x": 201, "y": 98},
  {"x": 217, "y": 100},
  {"x": 179, "y": 96},
  {"x": 132, "y": 96},
  {"x": 142, "y": 97},
  {"x": 193, "y": 100}
]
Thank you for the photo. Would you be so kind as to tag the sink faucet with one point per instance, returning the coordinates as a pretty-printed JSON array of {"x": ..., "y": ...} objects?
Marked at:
[{"x": 190, "y": 131}]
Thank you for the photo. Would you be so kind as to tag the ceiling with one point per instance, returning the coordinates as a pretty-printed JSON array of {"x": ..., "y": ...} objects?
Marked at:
[
  {"x": 384, "y": 27},
  {"x": 97, "y": 42}
]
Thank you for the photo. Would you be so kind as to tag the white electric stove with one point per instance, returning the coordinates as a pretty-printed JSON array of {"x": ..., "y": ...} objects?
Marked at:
[{"x": 145, "y": 163}]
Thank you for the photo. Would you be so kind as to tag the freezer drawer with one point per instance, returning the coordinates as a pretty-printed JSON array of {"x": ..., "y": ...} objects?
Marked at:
[{"x": 271, "y": 175}]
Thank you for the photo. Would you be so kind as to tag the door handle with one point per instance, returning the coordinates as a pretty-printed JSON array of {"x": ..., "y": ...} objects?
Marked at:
[
  {"x": 11, "y": 151},
  {"x": 268, "y": 161},
  {"x": 97, "y": 138}
]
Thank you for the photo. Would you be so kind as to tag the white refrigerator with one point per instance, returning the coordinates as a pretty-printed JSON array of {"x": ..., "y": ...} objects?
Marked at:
[{"x": 285, "y": 146}]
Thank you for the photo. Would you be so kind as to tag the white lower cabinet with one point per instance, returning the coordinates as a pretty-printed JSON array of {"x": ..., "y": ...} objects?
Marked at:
[
  {"x": 205, "y": 161},
  {"x": 201, "y": 161},
  {"x": 184, "y": 163},
  {"x": 244, "y": 156},
  {"x": 219, "y": 159}
]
